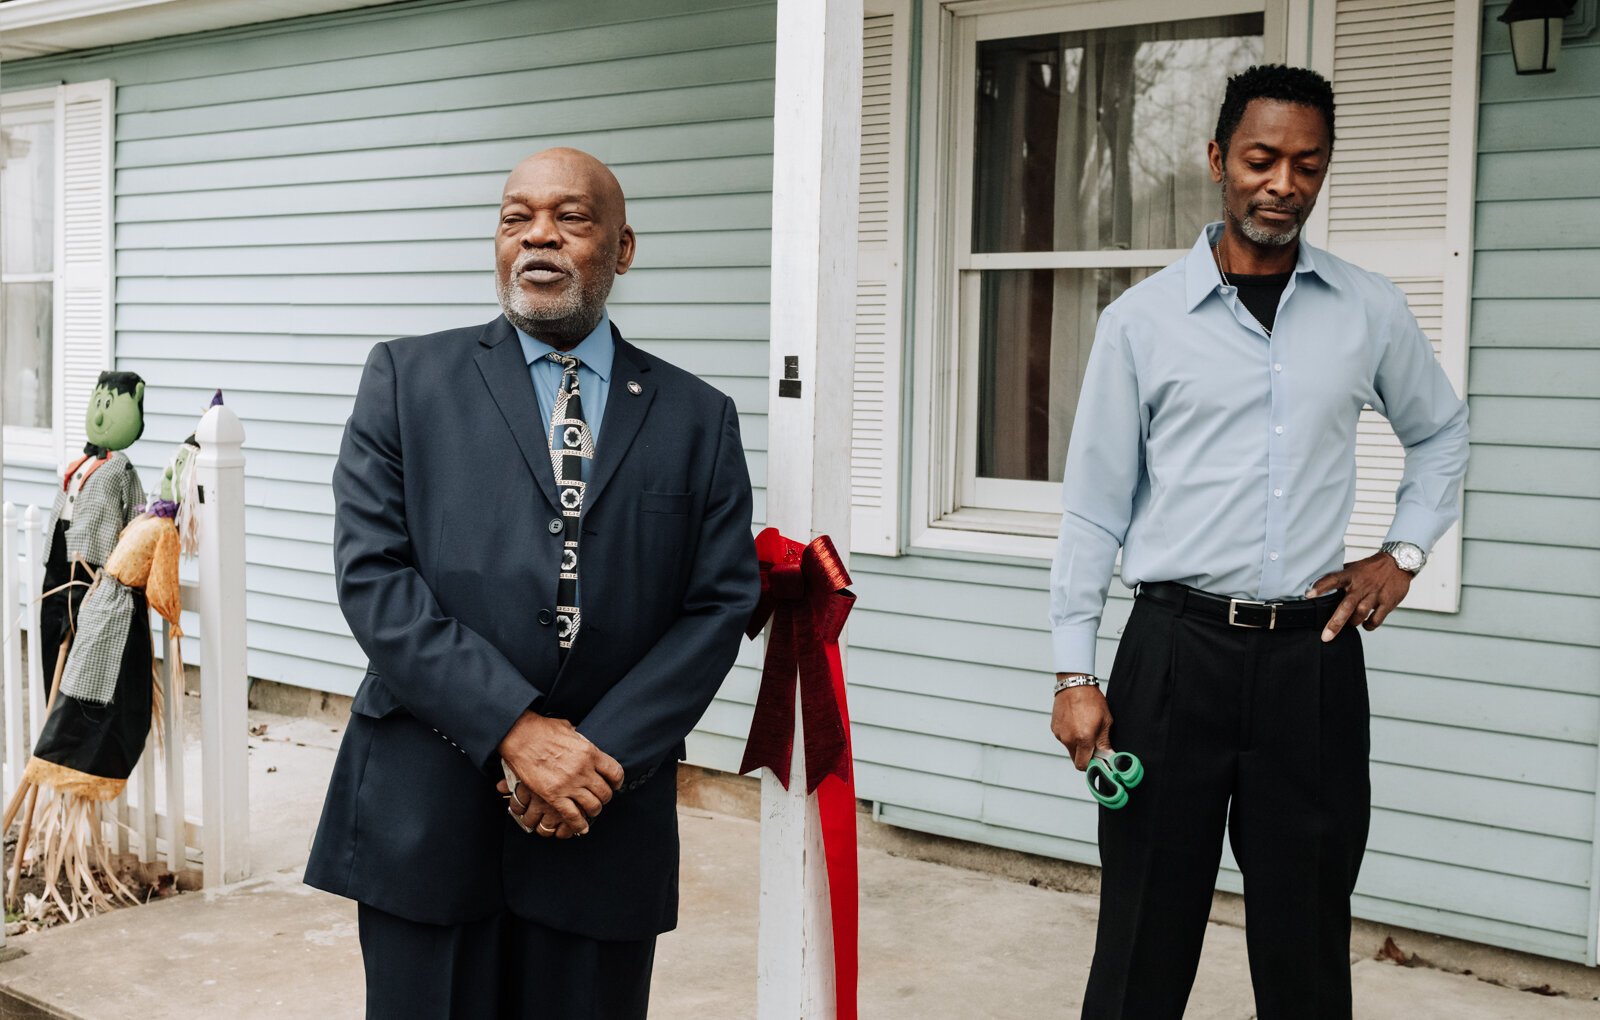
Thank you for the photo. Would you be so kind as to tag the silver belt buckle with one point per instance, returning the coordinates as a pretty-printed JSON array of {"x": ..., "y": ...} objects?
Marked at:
[{"x": 1233, "y": 614}]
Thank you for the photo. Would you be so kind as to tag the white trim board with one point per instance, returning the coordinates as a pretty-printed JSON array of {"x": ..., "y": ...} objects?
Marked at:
[{"x": 33, "y": 28}]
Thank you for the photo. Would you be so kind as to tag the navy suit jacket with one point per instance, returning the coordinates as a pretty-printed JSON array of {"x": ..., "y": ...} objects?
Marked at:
[{"x": 447, "y": 543}]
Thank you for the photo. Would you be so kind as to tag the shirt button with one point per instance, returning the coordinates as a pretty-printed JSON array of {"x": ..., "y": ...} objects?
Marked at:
[
  {"x": 1278, "y": 430},
  {"x": 1277, "y": 368},
  {"x": 556, "y": 525},
  {"x": 1278, "y": 493},
  {"x": 545, "y": 617},
  {"x": 1272, "y": 556}
]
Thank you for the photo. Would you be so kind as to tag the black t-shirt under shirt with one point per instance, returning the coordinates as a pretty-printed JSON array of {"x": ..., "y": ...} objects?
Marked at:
[{"x": 1260, "y": 294}]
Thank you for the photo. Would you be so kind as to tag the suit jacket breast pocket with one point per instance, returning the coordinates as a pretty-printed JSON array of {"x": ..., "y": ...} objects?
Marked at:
[{"x": 671, "y": 503}]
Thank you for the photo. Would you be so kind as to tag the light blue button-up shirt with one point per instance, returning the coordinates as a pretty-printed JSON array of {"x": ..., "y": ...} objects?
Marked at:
[
  {"x": 1222, "y": 457},
  {"x": 596, "y": 353}
]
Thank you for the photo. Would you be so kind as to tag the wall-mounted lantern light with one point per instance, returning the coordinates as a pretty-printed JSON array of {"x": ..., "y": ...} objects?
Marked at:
[{"x": 1536, "y": 33}]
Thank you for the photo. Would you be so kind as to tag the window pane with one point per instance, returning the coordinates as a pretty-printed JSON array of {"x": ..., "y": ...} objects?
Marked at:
[
  {"x": 1096, "y": 140},
  {"x": 27, "y": 197},
  {"x": 1035, "y": 330},
  {"x": 26, "y": 320}
]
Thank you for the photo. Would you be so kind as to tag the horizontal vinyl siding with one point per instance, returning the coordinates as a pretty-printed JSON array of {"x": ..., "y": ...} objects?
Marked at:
[
  {"x": 1485, "y": 722},
  {"x": 288, "y": 195},
  {"x": 26, "y": 486}
]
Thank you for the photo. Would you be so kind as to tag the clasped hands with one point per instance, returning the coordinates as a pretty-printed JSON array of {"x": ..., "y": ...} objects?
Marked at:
[{"x": 563, "y": 779}]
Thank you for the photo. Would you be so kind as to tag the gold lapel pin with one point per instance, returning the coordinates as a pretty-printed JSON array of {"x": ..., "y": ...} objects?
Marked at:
[{"x": 634, "y": 388}]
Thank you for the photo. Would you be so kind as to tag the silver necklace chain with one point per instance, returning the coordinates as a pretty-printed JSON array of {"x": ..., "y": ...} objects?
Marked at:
[{"x": 1216, "y": 251}]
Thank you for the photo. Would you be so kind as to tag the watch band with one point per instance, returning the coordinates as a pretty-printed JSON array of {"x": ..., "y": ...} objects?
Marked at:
[{"x": 1076, "y": 680}]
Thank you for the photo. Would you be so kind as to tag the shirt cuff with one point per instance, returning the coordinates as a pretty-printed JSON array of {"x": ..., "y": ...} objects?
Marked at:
[
  {"x": 1417, "y": 526},
  {"x": 1074, "y": 645}
]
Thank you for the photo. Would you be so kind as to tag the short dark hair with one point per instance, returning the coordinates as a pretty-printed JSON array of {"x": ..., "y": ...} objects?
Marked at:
[
  {"x": 120, "y": 383},
  {"x": 1299, "y": 85}
]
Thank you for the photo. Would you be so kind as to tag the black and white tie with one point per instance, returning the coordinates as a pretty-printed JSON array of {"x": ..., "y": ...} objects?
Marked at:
[{"x": 570, "y": 445}]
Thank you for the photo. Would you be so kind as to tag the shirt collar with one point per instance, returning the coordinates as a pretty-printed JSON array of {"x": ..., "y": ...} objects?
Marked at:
[
  {"x": 1202, "y": 278},
  {"x": 596, "y": 351}
]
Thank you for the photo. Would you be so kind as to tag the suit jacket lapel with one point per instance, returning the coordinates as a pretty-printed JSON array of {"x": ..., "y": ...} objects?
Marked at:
[
  {"x": 625, "y": 413},
  {"x": 505, "y": 372}
]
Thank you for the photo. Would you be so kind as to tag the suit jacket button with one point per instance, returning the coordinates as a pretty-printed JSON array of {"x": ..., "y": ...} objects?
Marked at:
[
  {"x": 545, "y": 617},
  {"x": 556, "y": 526}
]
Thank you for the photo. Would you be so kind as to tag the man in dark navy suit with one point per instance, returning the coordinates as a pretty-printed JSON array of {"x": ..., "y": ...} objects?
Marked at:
[{"x": 543, "y": 545}]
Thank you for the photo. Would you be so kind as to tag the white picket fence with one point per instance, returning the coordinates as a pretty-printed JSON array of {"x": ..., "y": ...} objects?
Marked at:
[{"x": 150, "y": 819}]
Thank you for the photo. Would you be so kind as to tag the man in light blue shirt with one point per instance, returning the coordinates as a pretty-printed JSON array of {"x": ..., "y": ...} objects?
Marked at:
[{"x": 1214, "y": 444}]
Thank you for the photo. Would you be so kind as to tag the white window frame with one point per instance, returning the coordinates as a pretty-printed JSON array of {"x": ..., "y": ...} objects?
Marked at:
[
  {"x": 952, "y": 510},
  {"x": 83, "y": 301},
  {"x": 40, "y": 447}
]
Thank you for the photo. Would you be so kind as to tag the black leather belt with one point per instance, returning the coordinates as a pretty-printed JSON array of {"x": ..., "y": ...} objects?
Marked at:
[{"x": 1232, "y": 612}]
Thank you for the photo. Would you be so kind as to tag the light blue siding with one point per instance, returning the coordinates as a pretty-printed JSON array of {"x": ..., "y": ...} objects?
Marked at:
[
  {"x": 289, "y": 194},
  {"x": 1485, "y": 722}
]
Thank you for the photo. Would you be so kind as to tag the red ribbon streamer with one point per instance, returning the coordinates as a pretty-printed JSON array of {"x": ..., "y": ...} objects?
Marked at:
[{"x": 804, "y": 593}]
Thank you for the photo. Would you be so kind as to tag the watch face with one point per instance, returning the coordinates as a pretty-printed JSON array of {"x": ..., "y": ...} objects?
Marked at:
[{"x": 1407, "y": 557}]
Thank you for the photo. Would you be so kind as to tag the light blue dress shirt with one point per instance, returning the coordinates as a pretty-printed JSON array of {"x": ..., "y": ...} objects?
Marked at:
[
  {"x": 596, "y": 353},
  {"x": 1222, "y": 457}
]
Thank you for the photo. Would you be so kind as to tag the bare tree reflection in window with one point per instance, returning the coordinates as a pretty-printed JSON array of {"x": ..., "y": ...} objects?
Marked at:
[
  {"x": 27, "y": 262},
  {"x": 1084, "y": 141}
]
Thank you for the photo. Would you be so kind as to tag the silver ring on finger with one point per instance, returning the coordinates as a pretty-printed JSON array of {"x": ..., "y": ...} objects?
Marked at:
[
  {"x": 546, "y": 831},
  {"x": 517, "y": 800}
]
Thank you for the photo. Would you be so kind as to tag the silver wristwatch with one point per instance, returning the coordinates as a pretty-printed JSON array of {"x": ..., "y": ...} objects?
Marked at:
[
  {"x": 1407, "y": 557},
  {"x": 1076, "y": 680}
]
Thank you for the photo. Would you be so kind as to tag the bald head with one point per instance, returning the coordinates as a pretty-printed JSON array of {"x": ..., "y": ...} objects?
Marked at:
[
  {"x": 563, "y": 239},
  {"x": 571, "y": 170}
]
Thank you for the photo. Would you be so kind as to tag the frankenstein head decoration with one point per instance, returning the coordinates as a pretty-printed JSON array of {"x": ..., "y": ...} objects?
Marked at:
[{"x": 115, "y": 419}]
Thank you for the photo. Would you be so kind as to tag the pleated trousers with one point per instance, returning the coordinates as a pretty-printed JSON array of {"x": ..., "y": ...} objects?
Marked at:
[
  {"x": 1262, "y": 734},
  {"x": 499, "y": 968}
]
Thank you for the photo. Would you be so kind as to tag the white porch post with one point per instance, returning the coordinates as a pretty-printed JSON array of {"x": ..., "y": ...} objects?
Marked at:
[
  {"x": 816, "y": 161},
  {"x": 224, "y": 684}
]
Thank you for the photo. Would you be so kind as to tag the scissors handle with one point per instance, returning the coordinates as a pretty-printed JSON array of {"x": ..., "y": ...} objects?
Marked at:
[{"x": 1111, "y": 774}]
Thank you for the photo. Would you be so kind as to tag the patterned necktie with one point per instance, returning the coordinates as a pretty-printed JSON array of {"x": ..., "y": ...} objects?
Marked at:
[{"x": 570, "y": 445}]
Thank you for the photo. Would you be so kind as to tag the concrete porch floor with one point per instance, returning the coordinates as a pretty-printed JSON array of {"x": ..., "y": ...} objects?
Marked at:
[{"x": 938, "y": 942}]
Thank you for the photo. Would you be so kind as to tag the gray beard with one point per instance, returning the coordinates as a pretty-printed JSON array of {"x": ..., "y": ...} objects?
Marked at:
[
  {"x": 1257, "y": 233},
  {"x": 566, "y": 321},
  {"x": 1268, "y": 238}
]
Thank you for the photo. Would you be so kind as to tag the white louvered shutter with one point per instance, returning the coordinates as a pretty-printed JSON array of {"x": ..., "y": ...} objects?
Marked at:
[
  {"x": 1398, "y": 201},
  {"x": 875, "y": 420},
  {"x": 84, "y": 301}
]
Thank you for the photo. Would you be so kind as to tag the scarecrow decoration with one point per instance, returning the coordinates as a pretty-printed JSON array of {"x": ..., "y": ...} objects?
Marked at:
[
  {"x": 105, "y": 695},
  {"x": 99, "y": 495}
]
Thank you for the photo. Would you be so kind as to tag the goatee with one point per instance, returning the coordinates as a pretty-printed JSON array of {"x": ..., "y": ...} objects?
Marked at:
[
  {"x": 569, "y": 316},
  {"x": 1267, "y": 238}
]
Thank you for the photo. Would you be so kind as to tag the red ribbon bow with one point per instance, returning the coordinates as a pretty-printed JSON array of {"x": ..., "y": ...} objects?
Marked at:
[{"x": 804, "y": 593}]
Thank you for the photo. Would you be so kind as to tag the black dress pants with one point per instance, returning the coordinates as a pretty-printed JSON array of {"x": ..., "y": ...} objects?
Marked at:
[
  {"x": 499, "y": 968},
  {"x": 1261, "y": 732}
]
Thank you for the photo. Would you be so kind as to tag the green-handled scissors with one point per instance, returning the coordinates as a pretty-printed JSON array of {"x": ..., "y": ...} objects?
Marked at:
[{"x": 1111, "y": 774}]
